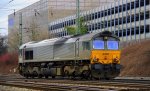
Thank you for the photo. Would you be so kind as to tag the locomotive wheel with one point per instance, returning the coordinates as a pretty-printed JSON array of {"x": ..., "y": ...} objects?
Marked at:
[
  {"x": 32, "y": 76},
  {"x": 74, "y": 75},
  {"x": 86, "y": 74},
  {"x": 107, "y": 76},
  {"x": 39, "y": 76},
  {"x": 66, "y": 73},
  {"x": 46, "y": 76},
  {"x": 95, "y": 75},
  {"x": 26, "y": 76},
  {"x": 53, "y": 77},
  {"x": 35, "y": 74}
]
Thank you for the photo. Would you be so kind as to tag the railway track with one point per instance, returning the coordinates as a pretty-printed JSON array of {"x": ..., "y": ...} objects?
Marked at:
[{"x": 60, "y": 84}]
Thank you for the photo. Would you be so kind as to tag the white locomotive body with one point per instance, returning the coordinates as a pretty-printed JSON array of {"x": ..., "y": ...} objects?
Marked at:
[{"x": 65, "y": 56}]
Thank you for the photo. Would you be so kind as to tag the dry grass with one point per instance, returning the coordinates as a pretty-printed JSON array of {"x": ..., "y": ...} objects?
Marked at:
[
  {"x": 136, "y": 59},
  {"x": 8, "y": 62}
]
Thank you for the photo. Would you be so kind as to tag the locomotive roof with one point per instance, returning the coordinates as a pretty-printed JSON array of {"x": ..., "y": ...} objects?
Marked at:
[{"x": 67, "y": 39}]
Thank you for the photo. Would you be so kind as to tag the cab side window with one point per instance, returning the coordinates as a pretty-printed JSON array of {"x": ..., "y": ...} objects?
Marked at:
[
  {"x": 86, "y": 45},
  {"x": 28, "y": 55}
]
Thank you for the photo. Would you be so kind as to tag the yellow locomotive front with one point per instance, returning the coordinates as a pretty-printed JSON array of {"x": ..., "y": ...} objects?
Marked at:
[{"x": 105, "y": 56}]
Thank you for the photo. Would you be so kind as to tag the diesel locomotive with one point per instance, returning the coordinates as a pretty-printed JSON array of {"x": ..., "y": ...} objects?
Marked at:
[{"x": 94, "y": 55}]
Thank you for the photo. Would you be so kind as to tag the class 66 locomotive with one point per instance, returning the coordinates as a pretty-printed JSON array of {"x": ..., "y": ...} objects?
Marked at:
[{"x": 91, "y": 56}]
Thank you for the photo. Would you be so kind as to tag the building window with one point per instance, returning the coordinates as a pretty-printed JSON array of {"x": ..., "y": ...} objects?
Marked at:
[
  {"x": 92, "y": 27},
  {"x": 137, "y": 17},
  {"x": 96, "y": 15},
  {"x": 147, "y": 2},
  {"x": 132, "y": 5},
  {"x": 89, "y": 17},
  {"x": 86, "y": 18},
  {"x": 120, "y": 8},
  {"x": 108, "y": 11},
  {"x": 99, "y": 14},
  {"x": 98, "y": 25},
  {"x": 147, "y": 28},
  {"x": 128, "y": 32},
  {"x": 132, "y": 31},
  {"x": 74, "y": 21},
  {"x": 93, "y": 15},
  {"x": 108, "y": 23},
  {"x": 112, "y": 22},
  {"x": 63, "y": 24},
  {"x": 142, "y": 3},
  {"x": 89, "y": 28},
  {"x": 147, "y": 15},
  {"x": 124, "y": 7},
  {"x": 105, "y": 13},
  {"x": 128, "y": 6},
  {"x": 116, "y": 9},
  {"x": 112, "y": 11},
  {"x": 51, "y": 28},
  {"x": 124, "y": 32},
  {"x": 137, "y": 3},
  {"x": 102, "y": 14},
  {"x": 120, "y": 33},
  {"x": 116, "y": 33},
  {"x": 116, "y": 21}
]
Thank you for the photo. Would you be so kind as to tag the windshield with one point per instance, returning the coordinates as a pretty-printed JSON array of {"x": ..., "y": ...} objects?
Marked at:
[
  {"x": 112, "y": 45},
  {"x": 98, "y": 44}
]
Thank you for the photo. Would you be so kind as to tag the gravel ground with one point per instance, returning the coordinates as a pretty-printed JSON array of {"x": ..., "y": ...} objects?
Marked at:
[
  {"x": 8, "y": 88},
  {"x": 134, "y": 78}
]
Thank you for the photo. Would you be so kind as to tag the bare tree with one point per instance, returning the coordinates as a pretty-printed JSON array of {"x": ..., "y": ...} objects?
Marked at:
[
  {"x": 3, "y": 44},
  {"x": 36, "y": 33},
  {"x": 13, "y": 40},
  {"x": 32, "y": 32}
]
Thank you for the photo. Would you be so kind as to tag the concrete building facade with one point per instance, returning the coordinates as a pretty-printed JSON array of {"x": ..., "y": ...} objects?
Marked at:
[
  {"x": 128, "y": 19},
  {"x": 41, "y": 13}
]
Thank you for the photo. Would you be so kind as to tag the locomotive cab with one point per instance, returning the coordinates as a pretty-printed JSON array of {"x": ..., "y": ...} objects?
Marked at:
[{"x": 105, "y": 55}]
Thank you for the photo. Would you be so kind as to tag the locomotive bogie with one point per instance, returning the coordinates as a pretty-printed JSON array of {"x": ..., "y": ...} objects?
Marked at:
[{"x": 105, "y": 70}]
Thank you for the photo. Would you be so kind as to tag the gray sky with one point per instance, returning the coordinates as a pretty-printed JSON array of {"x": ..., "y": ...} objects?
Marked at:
[{"x": 7, "y": 7}]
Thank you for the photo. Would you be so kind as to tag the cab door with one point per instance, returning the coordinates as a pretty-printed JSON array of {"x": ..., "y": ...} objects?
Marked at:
[{"x": 77, "y": 48}]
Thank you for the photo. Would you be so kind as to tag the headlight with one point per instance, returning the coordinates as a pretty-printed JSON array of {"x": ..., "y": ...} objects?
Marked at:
[
  {"x": 115, "y": 60},
  {"x": 95, "y": 59}
]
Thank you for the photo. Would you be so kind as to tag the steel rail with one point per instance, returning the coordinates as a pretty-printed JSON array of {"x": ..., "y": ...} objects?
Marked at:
[{"x": 65, "y": 84}]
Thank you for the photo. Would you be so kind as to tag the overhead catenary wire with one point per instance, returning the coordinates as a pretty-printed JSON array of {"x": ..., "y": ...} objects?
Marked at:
[
  {"x": 2, "y": 28},
  {"x": 6, "y": 4},
  {"x": 64, "y": 4},
  {"x": 11, "y": 7}
]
